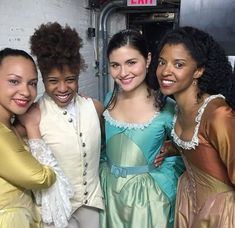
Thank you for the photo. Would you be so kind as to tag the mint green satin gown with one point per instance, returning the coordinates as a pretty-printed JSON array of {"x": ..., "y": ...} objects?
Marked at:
[{"x": 143, "y": 200}]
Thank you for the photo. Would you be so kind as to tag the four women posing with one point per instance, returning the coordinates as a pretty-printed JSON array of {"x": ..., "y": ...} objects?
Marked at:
[{"x": 189, "y": 65}]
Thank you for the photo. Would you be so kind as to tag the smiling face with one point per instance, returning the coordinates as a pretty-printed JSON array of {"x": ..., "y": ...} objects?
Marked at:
[
  {"x": 61, "y": 86},
  {"x": 176, "y": 70},
  {"x": 128, "y": 67},
  {"x": 18, "y": 85}
]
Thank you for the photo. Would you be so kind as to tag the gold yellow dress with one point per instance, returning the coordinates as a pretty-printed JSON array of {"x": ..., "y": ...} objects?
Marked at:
[
  {"x": 206, "y": 191},
  {"x": 19, "y": 173}
]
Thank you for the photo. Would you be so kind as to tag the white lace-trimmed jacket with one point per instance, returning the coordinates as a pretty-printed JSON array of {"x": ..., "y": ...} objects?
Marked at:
[{"x": 76, "y": 147}]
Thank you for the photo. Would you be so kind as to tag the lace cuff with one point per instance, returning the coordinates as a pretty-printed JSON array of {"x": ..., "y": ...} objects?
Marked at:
[{"x": 55, "y": 204}]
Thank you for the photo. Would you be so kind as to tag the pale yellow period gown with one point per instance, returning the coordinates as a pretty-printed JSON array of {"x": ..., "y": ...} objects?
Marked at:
[{"x": 19, "y": 174}]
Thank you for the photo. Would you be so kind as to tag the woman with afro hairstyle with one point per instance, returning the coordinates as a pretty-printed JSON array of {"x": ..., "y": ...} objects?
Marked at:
[
  {"x": 69, "y": 123},
  {"x": 193, "y": 68}
]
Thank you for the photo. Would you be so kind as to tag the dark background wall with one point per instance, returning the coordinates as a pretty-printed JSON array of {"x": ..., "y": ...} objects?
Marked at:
[{"x": 214, "y": 16}]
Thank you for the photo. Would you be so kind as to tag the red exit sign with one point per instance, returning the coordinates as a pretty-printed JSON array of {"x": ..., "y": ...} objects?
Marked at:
[{"x": 141, "y": 2}]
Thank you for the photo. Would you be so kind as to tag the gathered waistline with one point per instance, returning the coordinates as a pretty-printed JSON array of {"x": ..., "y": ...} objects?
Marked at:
[{"x": 123, "y": 171}]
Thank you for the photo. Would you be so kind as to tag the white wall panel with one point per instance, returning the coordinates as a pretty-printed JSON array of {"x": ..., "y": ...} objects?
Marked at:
[{"x": 19, "y": 18}]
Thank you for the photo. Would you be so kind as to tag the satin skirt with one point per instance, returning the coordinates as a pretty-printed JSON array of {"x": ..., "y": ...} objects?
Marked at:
[
  {"x": 17, "y": 218},
  {"x": 133, "y": 202},
  {"x": 21, "y": 213},
  {"x": 210, "y": 204}
]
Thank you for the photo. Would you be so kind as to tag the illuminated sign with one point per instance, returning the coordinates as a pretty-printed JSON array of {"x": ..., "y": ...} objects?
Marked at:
[{"x": 141, "y": 2}]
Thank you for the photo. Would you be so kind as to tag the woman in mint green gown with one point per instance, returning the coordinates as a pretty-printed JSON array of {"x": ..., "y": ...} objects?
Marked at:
[{"x": 137, "y": 194}]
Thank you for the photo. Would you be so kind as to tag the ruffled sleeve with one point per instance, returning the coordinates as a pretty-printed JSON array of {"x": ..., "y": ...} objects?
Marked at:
[
  {"x": 55, "y": 204},
  {"x": 221, "y": 132}
]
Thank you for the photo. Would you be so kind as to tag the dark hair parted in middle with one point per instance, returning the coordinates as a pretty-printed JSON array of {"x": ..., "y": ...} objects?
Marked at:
[
  {"x": 55, "y": 47},
  {"x": 135, "y": 40},
  {"x": 207, "y": 53},
  {"x": 132, "y": 38},
  {"x": 6, "y": 52}
]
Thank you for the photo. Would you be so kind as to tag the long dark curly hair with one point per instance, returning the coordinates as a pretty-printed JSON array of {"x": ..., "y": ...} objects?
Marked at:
[
  {"x": 217, "y": 77},
  {"x": 55, "y": 47}
]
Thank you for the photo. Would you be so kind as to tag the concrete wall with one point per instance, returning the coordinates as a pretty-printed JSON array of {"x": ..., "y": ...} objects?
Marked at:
[
  {"x": 113, "y": 27},
  {"x": 20, "y": 18},
  {"x": 214, "y": 17}
]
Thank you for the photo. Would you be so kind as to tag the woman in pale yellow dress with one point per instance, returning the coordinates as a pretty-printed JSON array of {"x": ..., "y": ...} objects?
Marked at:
[
  {"x": 19, "y": 171},
  {"x": 195, "y": 70}
]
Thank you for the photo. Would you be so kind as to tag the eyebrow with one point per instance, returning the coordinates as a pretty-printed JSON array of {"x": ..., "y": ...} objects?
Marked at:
[
  {"x": 131, "y": 59},
  {"x": 174, "y": 59},
  {"x": 66, "y": 76},
  {"x": 20, "y": 76},
  {"x": 180, "y": 59},
  {"x": 72, "y": 76}
]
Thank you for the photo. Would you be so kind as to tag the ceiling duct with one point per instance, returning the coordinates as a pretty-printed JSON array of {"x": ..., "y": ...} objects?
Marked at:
[
  {"x": 155, "y": 17},
  {"x": 169, "y": 1},
  {"x": 162, "y": 17}
]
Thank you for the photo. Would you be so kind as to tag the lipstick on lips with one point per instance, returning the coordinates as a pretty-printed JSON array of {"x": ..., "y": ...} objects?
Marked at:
[{"x": 22, "y": 103}]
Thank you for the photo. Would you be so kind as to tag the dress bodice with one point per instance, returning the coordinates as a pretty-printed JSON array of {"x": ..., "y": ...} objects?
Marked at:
[
  {"x": 212, "y": 140},
  {"x": 132, "y": 146},
  {"x": 205, "y": 192},
  {"x": 145, "y": 139},
  {"x": 195, "y": 139}
]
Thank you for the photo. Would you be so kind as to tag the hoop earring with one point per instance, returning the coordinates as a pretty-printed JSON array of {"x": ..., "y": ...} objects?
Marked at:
[{"x": 195, "y": 82}]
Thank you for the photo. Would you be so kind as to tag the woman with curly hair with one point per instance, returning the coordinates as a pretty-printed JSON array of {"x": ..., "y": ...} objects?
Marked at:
[
  {"x": 69, "y": 123},
  {"x": 193, "y": 68}
]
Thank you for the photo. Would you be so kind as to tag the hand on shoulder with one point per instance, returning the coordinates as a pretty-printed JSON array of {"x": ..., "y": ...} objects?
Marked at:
[
  {"x": 31, "y": 117},
  {"x": 31, "y": 120}
]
